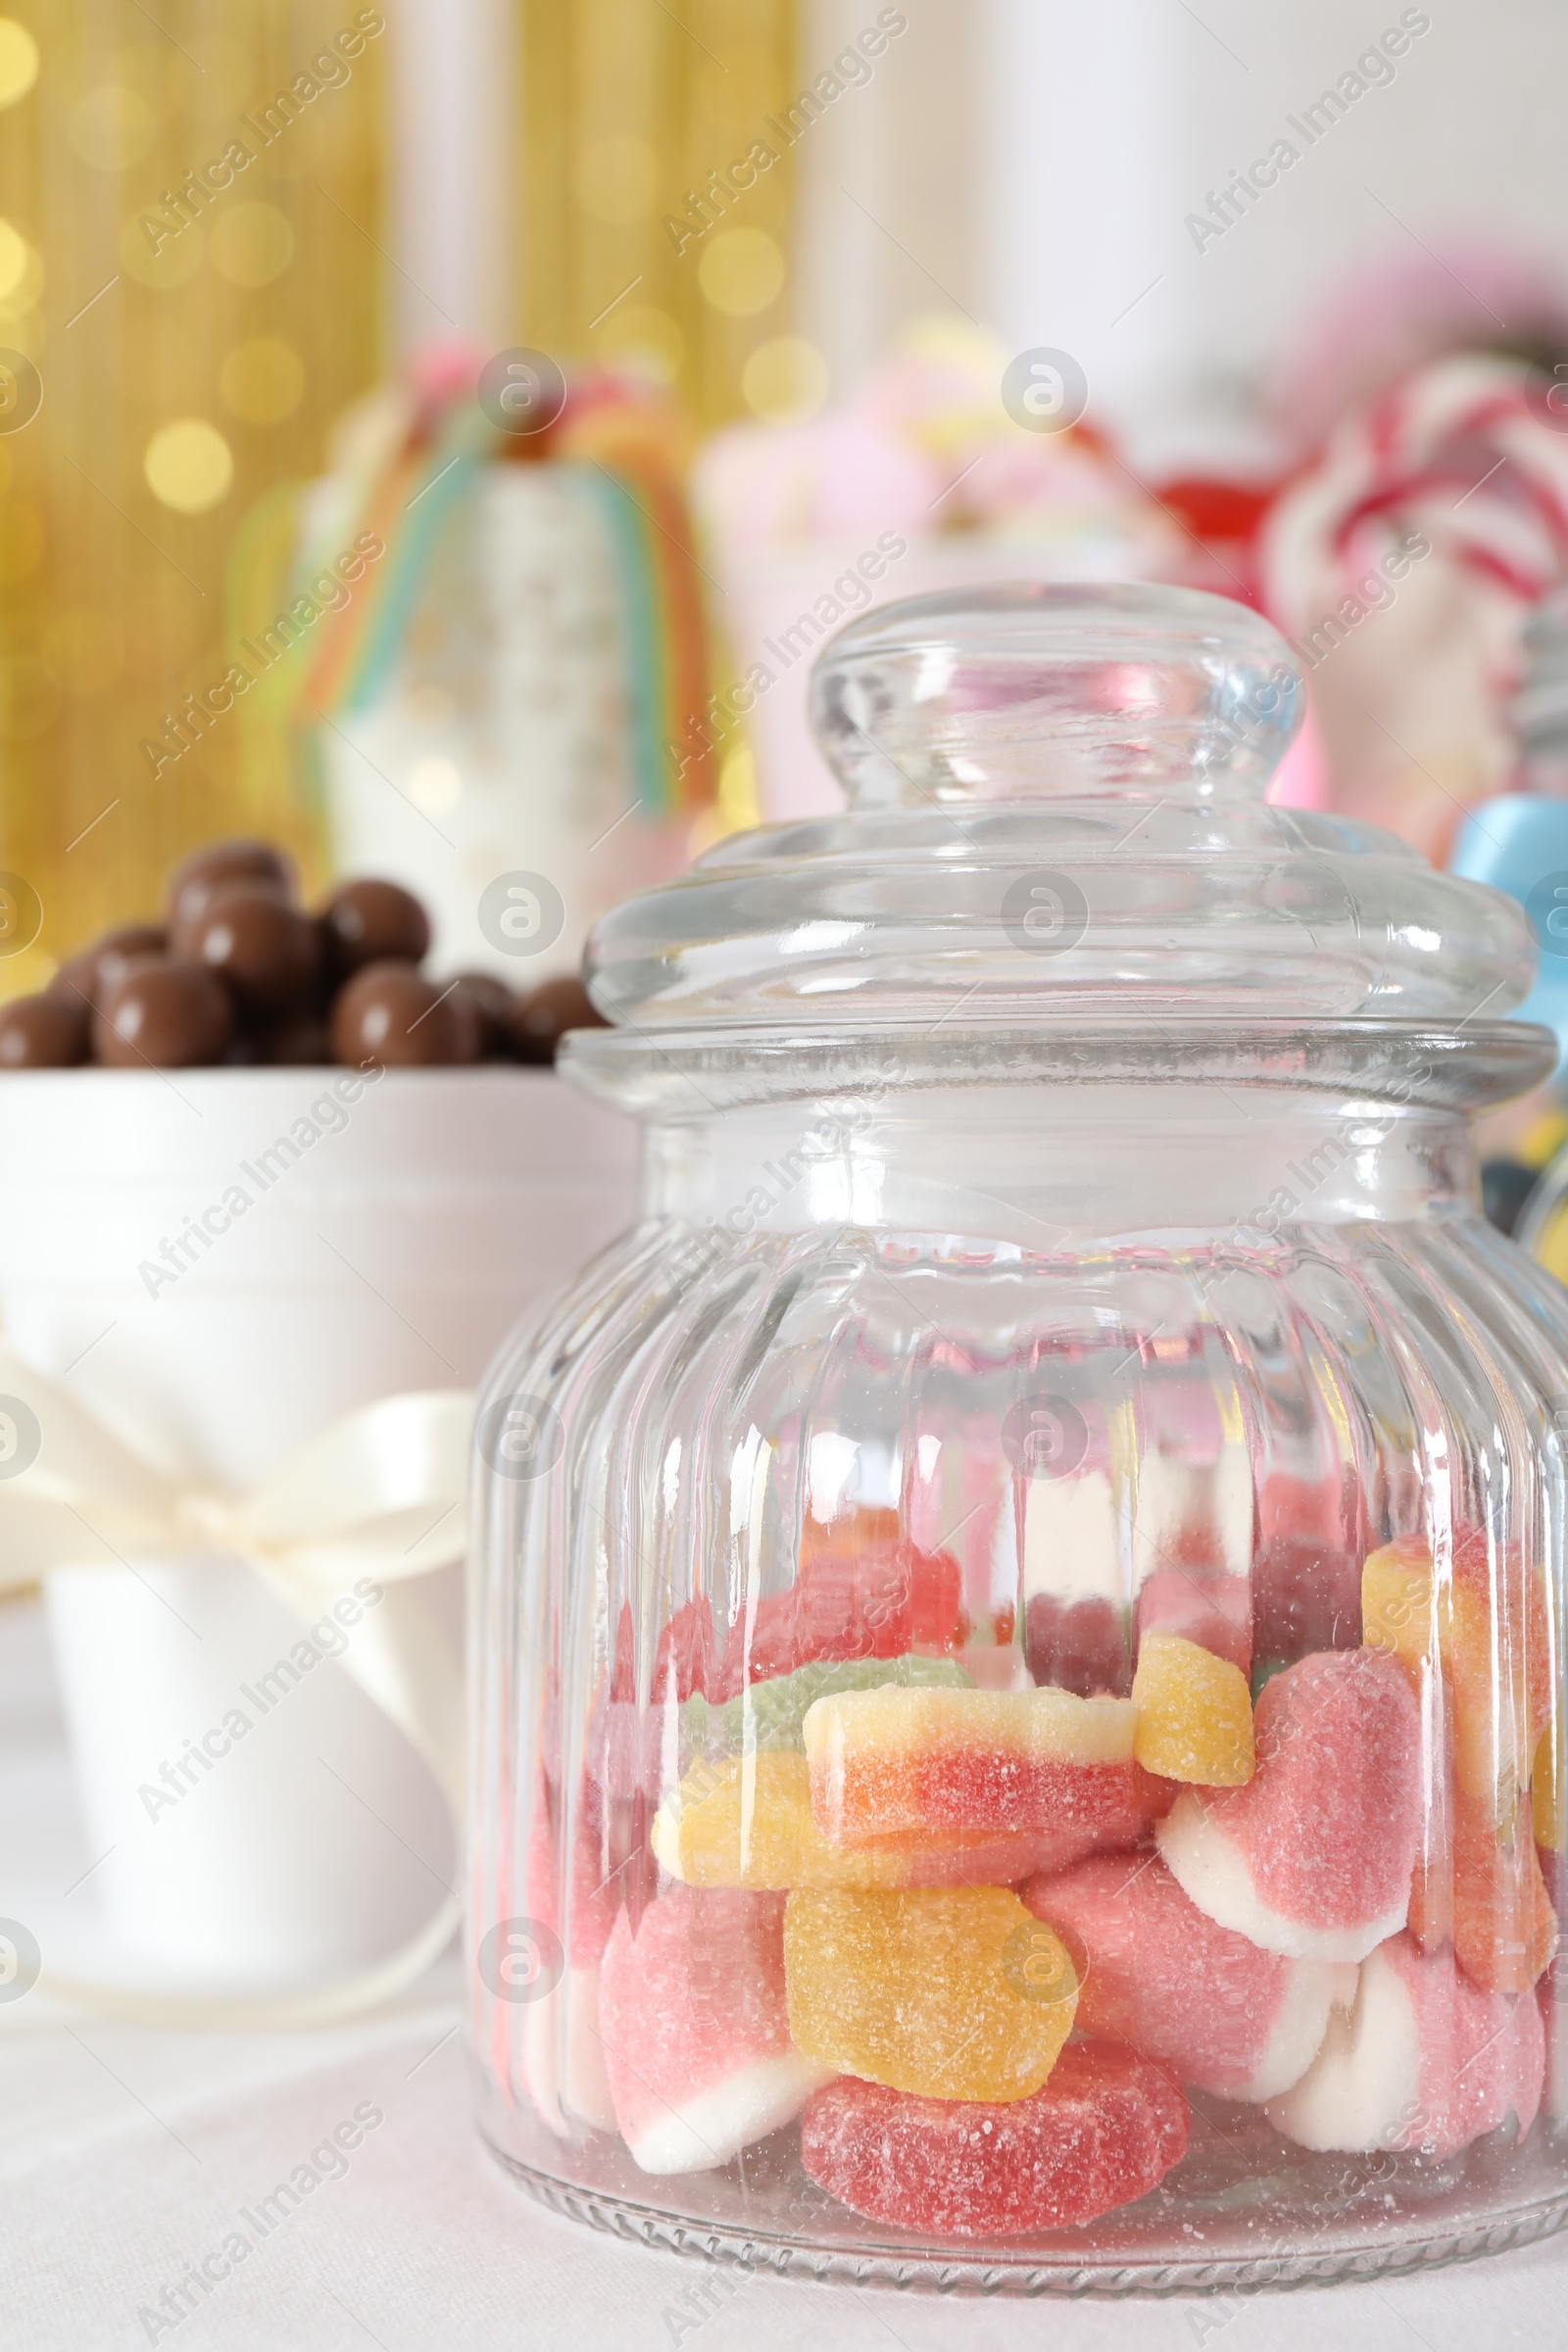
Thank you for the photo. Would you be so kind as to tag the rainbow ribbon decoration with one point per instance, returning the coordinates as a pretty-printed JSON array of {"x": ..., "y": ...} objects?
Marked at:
[{"x": 628, "y": 447}]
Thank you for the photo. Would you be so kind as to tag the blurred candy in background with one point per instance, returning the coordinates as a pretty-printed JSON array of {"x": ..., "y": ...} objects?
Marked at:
[{"x": 782, "y": 288}]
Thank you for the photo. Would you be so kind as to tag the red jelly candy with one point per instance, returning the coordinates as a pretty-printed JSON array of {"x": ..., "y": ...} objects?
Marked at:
[
  {"x": 1306, "y": 1570},
  {"x": 1078, "y": 1645},
  {"x": 862, "y": 1591},
  {"x": 1104, "y": 2129}
]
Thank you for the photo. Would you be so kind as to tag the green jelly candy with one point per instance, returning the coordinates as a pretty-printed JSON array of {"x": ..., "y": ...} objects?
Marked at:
[{"x": 770, "y": 1715}]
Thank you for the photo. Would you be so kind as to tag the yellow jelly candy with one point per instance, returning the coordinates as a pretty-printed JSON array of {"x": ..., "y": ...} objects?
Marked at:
[
  {"x": 954, "y": 1992},
  {"x": 1485, "y": 1622},
  {"x": 747, "y": 1822},
  {"x": 1195, "y": 1714},
  {"x": 1397, "y": 1605}
]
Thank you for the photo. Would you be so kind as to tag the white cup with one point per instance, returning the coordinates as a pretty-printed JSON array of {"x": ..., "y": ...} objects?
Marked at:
[{"x": 220, "y": 1264}]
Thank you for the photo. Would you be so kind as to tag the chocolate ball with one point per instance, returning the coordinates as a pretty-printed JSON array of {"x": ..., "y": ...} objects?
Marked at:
[
  {"x": 493, "y": 1005},
  {"x": 541, "y": 1020},
  {"x": 83, "y": 978},
  {"x": 371, "y": 922},
  {"x": 195, "y": 880},
  {"x": 266, "y": 954},
  {"x": 390, "y": 1013},
  {"x": 164, "y": 1015},
  {"x": 42, "y": 1033},
  {"x": 298, "y": 1040}
]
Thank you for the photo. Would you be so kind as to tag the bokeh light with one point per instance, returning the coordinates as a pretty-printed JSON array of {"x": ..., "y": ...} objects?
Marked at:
[
  {"x": 741, "y": 271},
  {"x": 188, "y": 464},
  {"x": 18, "y": 61}
]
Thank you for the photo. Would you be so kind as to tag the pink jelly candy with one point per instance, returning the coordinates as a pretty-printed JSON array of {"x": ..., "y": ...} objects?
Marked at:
[
  {"x": 696, "y": 2029},
  {"x": 1159, "y": 1975},
  {"x": 1312, "y": 1857},
  {"x": 1104, "y": 2129},
  {"x": 1424, "y": 2060}
]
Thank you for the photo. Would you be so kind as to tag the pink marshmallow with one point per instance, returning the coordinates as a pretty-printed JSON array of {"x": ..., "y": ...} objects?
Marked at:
[
  {"x": 1312, "y": 1857},
  {"x": 695, "y": 2031},
  {"x": 1165, "y": 1979},
  {"x": 1425, "y": 2060}
]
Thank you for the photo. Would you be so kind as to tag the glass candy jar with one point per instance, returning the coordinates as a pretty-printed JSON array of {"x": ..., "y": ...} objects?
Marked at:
[{"x": 1018, "y": 1640}]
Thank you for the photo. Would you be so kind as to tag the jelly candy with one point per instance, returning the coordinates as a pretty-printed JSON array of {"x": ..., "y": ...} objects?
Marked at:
[
  {"x": 1486, "y": 1624},
  {"x": 1425, "y": 2059},
  {"x": 1159, "y": 1975},
  {"x": 1489, "y": 1898},
  {"x": 1307, "y": 1568},
  {"x": 770, "y": 1714},
  {"x": 1195, "y": 1714},
  {"x": 1105, "y": 2129},
  {"x": 1079, "y": 1646},
  {"x": 956, "y": 1993},
  {"x": 892, "y": 1762},
  {"x": 697, "y": 2044},
  {"x": 1313, "y": 1856},
  {"x": 861, "y": 1590},
  {"x": 747, "y": 1822},
  {"x": 1205, "y": 1605}
]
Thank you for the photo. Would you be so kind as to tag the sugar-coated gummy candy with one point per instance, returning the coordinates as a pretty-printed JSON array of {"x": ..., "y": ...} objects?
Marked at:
[
  {"x": 697, "y": 2043},
  {"x": 1425, "y": 2059},
  {"x": 747, "y": 1821},
  {"x": 1488, "y": 1896},
  {"x": 1105, "y": 2129},
  {"x": 1485, "y": 1627},
  {"x": 1195, "y": 1713},
  {"x": 1164, "y": 1978},
  {"x": 769, "y": 1714},
  {"x": 900, "y": 1763},
  {"x": 954, "y": 1993},
  {"x": 1314, "y": 1857}
]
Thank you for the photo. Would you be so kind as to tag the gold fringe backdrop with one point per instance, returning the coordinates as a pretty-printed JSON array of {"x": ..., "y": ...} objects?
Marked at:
[
  {"x": 635, "y": 115},
  {"x": 187, "y": 368}
]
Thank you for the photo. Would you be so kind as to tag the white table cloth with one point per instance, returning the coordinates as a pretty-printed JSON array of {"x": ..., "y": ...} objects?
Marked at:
[{"x": 128, "y": 2158}]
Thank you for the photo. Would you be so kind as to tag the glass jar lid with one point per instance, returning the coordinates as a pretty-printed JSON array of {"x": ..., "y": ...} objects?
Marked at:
[{"x": 1056, "y": 836}]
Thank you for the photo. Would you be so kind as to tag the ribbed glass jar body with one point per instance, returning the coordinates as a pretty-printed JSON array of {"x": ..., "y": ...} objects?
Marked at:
[{"x": 911, "y": 1395}]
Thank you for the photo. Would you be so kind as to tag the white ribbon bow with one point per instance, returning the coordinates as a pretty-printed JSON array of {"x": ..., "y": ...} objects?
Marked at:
[{"x": 382, "y": 1494}]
